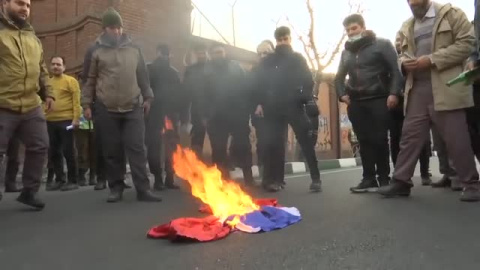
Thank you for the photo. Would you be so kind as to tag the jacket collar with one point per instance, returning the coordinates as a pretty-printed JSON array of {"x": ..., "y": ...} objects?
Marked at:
[
  {"x": 8, "y": 23},
  {"x": 440, "y": 11},
  {"x": 368, "y": 37},
  {"x": 104, "y": 40}
]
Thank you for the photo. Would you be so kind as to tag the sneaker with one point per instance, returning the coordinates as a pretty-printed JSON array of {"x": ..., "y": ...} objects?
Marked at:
[
  {"x": 396, "y": 188},
  {"x": 426, "y": 180},
  {"x": 316, "y": 187},
  {"x": 445, "y": 182},
  {"x": 470, "y": 195},
  {"x": 116, "y": 195},
  {"x": 367, "y": 185},
  {"x": 273, "y": 187},
  {"x": 148, "y": 196},
  {"x": 54, "y": 186},
  {"x": 101, "y": 185},
  {"x": 31, "y": 199},
  {"x": 456, "y": 185},
  {"x": 69, "y": 187}
]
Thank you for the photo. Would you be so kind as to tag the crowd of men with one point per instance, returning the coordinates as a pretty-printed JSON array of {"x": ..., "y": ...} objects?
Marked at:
[
  {"x": 125, "y": 110},
  {"x": 412, "y": 100}
]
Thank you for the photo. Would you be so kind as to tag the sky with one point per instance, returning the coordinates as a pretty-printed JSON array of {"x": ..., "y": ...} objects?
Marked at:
[{"x": 255, "y": 20}]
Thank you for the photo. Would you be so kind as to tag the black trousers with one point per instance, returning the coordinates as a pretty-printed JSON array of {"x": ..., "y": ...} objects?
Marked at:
[
  {"x": 123, "y": 135},
  {"x": 396, "y": 125},
  {"x": 197, "y": 134},
  {"x": 260, "y": 133},
  {"x": 276, "y": 131},
  {"x": 62, "y": 144},
  {"x": 370, "y": 121},
  {"x": 156, "y": 136},
  {"x": 219, "y": 129}
]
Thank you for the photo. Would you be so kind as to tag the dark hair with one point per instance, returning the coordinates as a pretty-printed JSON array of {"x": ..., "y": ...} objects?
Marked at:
[
  {"x": 281, "y": 32},
  {"x": 354, "y": 18},
  {"x": 164, "y": 49},
  {"x": 58, "y": 56},
  {"x": 216, "y": 45}
]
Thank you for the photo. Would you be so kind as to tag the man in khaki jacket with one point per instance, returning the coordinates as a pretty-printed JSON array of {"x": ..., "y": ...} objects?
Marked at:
[
  {"x": 23, "y": 76},
  {"x": 119, "y": 90},
  {"x": 437, "y": 41}
]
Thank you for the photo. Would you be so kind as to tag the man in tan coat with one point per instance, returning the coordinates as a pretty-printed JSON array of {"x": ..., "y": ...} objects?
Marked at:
[{"x": 437, "y": 41}]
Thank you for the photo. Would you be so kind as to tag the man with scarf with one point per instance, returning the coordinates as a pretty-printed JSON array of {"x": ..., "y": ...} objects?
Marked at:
[
  {"x": 165, "y": 84},
  {"x": 225, "y": 111},
  {"x": 373, "y": 90},
  {"x": 118, "y": 87},
  {"x": 285, "y": 85}
]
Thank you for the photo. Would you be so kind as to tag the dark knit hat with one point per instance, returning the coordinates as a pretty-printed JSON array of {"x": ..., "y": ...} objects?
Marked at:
[{"x": 111, "y": 18}]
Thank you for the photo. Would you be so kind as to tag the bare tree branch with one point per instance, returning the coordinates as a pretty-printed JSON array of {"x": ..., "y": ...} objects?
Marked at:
[
  {"x": 306, "y": 47},
  {"x": 311, "y": 35}
]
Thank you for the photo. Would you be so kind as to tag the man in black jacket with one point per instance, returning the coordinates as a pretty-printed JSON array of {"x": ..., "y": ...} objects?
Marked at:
[
  {"x": 285, "y": 85},
  {"x": 375, "y": 83},
  {"x": 193, "y": 85},
  {"x": 225, "y": 111},
  {"x": 163, "y": 118}
]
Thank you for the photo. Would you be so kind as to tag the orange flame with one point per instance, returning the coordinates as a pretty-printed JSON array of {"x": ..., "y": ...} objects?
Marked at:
[
  {"x": 224, "y": 197},
  {"x": 168, "y": 125}
]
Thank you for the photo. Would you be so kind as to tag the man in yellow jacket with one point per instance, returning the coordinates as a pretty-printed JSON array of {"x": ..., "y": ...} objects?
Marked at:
[
  {"x": 60, "y": 123},
  {"x": 23, "y": 78}
]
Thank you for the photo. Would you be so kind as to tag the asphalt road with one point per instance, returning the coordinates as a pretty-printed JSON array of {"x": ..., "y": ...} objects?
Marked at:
[{"x": 78, "y": 230}]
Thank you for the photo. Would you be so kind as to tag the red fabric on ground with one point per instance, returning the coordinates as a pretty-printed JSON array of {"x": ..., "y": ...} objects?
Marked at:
[
  {"x": 198, "y": 229},
  {"x": 260, "y": 202}
]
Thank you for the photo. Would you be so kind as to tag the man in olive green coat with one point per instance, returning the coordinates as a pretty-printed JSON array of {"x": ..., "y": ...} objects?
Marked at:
[
  {"x": 21, "y": 114},
  {"x": 437, "y": 41}
]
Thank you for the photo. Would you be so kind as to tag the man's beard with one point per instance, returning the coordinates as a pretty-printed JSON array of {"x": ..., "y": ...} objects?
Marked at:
[
  {"x": 20, "y": 22},
  {"x": 419, "y": 12}
]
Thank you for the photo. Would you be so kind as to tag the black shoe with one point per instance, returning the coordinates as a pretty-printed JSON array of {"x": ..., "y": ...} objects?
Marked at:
[
  {"x": 456, "y": 184},
  {"x": 316, "y": 187},
  {"x": 171, "y": 186},
  {"x": 470, "y": 195},
  {"x": 273, "y": 187},
  {"x": 12, "y": 188},
  {"x": 169, "y": 182},
  {"x": 367, "y": 185},
  {"x": 426, "y": 180},
  {"x": 445, "y": 182},
  {"x": 383, "y": 181},
  {"x": 82, "y": 181},
  {"x": 126, "y": 186},
  {"x": 148, "y": 196},
  {"x": 1, "y": 196},
  {"x": 116, "y": 195},
  {"x": 396, "y": 188},
  {"x": 31, "y": 199},
  {"x": 54, "y": 186},
  {"x": 101, "y": 185},
  {"x": 92, "y": 181},
  {"x": 69, "y": 187}
]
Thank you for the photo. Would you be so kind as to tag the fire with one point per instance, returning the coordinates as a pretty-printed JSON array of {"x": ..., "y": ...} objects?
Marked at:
[
  {"x": 168, "y": 125},
  {"x": 225, "y": 198}
]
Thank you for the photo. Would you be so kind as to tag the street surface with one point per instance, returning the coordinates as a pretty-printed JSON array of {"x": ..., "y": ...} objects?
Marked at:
[{"x": 339, "y": 230}]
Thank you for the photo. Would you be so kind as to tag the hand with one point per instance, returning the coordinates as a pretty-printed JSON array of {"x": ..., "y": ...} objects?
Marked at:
[
  {"x": 424, "y": 62},
  {"x": 87, "y": 113},
  {"x": 49, "y": 102},
  {"x": 345, "y": 99},
  {"x": 259, "y": 111},
  {"x": 392, "y": 102},
  {"x": 470, "y": 65},
  {"x": 147, "y": 104},
  {"x": 76, "y": 123},
  {"x": 410, "y": 65}
]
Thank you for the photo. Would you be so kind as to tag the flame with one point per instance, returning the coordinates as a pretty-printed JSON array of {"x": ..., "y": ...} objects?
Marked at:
[
  {"x": 168, "y": 125},
  {"x": 225, "y": 198}
]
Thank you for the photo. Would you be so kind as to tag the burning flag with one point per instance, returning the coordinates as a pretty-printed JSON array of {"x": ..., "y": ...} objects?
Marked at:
[{"x": 230, "y": 206}]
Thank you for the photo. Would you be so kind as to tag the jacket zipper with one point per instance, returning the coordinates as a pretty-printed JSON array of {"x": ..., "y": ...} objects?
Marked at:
[{"x": 22, "y": 54}]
